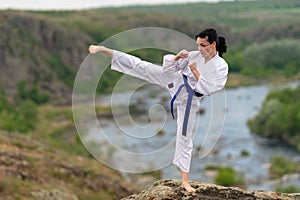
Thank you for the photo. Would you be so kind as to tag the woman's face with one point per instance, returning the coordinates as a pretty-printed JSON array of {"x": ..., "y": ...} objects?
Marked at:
[{"x": 206, "y": 49}]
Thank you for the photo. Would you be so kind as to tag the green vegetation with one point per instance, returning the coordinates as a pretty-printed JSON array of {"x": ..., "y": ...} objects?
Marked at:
[
  {"x": 268, "y": 59},
  {"x": 62, "y": 134},
  {"x": 263, "y": 36},
  {"x": 227, "y": 176},
  {"x": 108, "y": 79},
  {"x": 26, "y": 116},
  {"x": 255, "y": 30},
  {"x": 20, "y": 116},
  {"x": 288, "y": 189},
  {"x": 157, "y": 174},
  {"x": 32, "y": 94},
  {"x": 259, "y": 44},
  {"x": 211, "y": 167},
  {"x": 279, "y": 117},
  {"x": 38, "y": 171},
  {"x": 245, "y": 153},
  {"x": 64, "y": 73},
  {"x": 240, "y": 16},
  {"x": 281, "y": 166}
]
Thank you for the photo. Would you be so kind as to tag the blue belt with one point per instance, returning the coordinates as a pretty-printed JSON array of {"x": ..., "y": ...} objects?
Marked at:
[{"x": 191, "y": 93}]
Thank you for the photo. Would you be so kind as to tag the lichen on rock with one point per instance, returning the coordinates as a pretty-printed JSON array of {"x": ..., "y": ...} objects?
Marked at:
[{"x": 171, "y": 190}]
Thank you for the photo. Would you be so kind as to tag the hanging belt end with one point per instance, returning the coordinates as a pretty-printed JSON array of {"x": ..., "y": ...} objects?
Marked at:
[{"x": 172, "y": 113}]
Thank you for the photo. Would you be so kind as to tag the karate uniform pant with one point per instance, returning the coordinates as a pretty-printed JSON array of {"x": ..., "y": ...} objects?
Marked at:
[{"x": 152, "y": 73}]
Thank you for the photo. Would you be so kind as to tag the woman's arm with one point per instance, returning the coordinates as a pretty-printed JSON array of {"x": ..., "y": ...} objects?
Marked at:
[
  {"x": 213, "y": 81},
  {"x": 182, "y": 54},
  {"x": 174, "y": 63},
  {"x": 93, "y": 49},
  {"x": 194, "y": 70}
]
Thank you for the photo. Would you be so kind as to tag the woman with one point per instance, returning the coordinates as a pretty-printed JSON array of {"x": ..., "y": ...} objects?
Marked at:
[{"x": 188, "y": 76}]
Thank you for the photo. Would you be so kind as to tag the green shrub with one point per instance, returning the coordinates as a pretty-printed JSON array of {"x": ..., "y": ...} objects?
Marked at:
[
  {"x": 256, "y": 58},
  {"x": 32, "y": 93},
  {"x": 212, "y": 167},
  {"x": 245, "y": 153},
  {"x": 287, "y": 189},
  {"x": 64, "y": 73},
  {"x": 227, "y": 176},
  {"x": 279, "y": 117},
  {"x": 281, "y": 166},
  {"x": 20, "y": 117}
]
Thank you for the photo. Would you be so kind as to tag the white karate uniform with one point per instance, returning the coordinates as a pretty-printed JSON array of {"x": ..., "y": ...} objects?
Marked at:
[{"x": 213, "y": 76}]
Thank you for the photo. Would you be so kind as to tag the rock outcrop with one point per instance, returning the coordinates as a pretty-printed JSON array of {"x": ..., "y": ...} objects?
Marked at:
[{"x": 172, "y": 190}]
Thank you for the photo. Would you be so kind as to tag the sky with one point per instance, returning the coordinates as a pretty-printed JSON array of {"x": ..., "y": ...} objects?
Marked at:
[{"x": 82, "y": 4}]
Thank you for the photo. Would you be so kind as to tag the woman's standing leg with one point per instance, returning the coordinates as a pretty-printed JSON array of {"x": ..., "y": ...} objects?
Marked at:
[
  {"x": 185, "y": 182},
  {"x": 184, "y": 147}
]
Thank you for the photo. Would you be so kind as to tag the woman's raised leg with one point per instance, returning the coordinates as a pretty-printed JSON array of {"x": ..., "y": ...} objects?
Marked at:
[{"x": 134, "y": 66}]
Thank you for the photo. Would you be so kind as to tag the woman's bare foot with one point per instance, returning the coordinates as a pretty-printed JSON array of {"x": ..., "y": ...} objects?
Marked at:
[{"x": 187, "y": 187}]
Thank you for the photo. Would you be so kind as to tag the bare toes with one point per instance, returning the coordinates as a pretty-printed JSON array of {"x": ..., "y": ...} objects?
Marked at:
[{"x": 188, "y": 188}]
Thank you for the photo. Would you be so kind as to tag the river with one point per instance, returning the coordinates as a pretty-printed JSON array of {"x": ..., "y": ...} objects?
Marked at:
[{"x": 222, "y": 134}]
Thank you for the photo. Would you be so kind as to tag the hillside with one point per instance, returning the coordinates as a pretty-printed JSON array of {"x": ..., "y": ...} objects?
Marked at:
[
  {"x": 251, "y": 20},
  {"x": 38, "y": 52},
  {"x": 30, "y": 169},
  {"x": 44, "y": 49}
]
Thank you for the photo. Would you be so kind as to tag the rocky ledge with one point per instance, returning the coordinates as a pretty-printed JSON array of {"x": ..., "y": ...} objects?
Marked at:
[{"x": 172, "y": 190}]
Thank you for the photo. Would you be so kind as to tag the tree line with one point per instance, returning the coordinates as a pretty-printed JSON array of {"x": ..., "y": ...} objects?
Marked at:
[{"x": 279, "y": 117}]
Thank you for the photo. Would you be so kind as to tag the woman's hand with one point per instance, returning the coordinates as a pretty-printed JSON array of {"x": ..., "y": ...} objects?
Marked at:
[
  {"x": 182, "y": 54},
  {"x": 194, "y": 70}
]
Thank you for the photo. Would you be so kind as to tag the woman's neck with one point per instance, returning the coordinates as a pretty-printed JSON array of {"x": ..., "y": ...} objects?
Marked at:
[{"x": 210, "y": 56}]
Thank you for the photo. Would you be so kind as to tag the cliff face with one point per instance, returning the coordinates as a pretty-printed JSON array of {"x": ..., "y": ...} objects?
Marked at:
[
  {"x": 39, "y": 51},
  {"x": 172, "y": 190}
]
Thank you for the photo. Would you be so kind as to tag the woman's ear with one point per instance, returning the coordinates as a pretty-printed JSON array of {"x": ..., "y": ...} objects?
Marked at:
[{"x": 214, "y": 43}]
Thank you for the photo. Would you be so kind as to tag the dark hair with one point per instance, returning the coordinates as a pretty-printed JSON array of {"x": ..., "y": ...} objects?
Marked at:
[{"x": 212, "y": 36}]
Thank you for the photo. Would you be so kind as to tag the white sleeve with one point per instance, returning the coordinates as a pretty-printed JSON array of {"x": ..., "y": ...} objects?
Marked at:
[
  {"x": 213, "y": 81},
  {"x": 171, "y": 66}
]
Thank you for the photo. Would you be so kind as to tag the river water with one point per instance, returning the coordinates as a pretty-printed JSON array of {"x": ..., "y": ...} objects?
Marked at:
[{"x": 221, "y": 134}]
